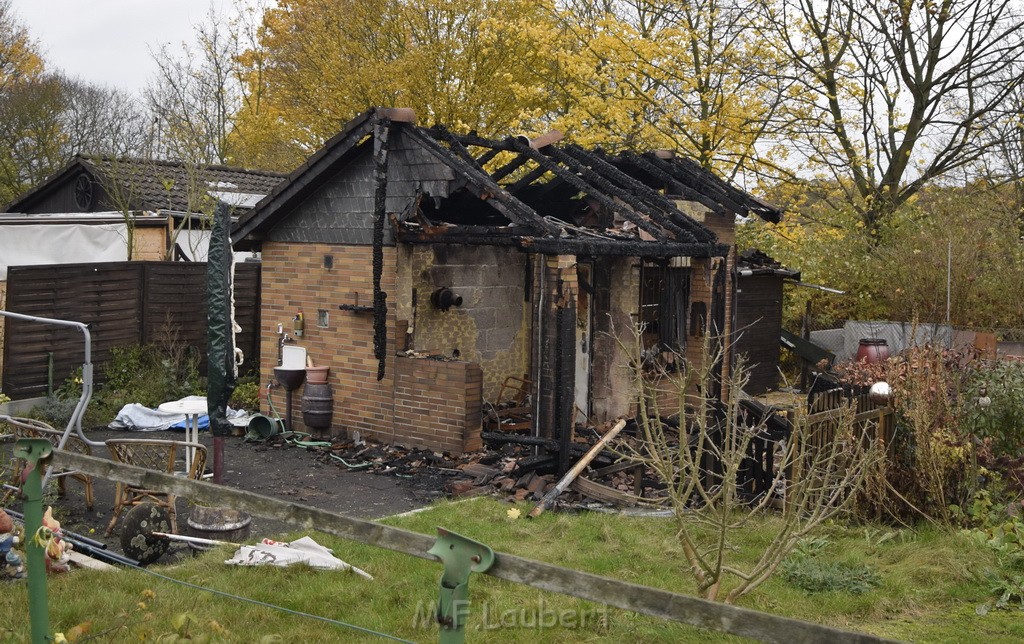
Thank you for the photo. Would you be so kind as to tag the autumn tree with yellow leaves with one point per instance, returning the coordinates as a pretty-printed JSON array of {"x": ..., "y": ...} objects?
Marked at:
[
  {"x": 317, "y": 63},
  {"x": 688, "y": 76}
]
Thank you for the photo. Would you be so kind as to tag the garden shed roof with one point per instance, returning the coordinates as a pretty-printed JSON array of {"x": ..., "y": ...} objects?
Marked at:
[{"x": 533, "y": 194}]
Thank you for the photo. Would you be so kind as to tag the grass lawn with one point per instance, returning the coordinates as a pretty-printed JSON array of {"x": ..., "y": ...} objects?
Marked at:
[{"x": 930, "y": 584}]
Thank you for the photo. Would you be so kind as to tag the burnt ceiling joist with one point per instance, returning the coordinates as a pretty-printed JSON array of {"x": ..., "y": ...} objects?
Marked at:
[{"x": 581, "y": 246}]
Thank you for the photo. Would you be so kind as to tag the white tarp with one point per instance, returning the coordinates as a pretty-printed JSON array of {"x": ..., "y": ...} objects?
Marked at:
[{"x": 35, "y": 244}]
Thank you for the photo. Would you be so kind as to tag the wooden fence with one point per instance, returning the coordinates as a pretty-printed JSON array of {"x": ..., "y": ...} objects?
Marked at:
[
  {"x": 874, "y": 419},
  {"x": 124, "y": 303}
]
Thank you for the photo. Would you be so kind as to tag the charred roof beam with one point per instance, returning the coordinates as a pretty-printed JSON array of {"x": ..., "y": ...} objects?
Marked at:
[
  {"x": 580, "y": 246},
  {"x": 712, "y": 187},
  {"x": 615, "y": 248},
  {"x": 640, "y": 195},
  {"x": 671, "y": 182},
  {"x": 527, "y": 179},
  {"x": 587, "y": 186},
  {"x": 516, "y": 211}
]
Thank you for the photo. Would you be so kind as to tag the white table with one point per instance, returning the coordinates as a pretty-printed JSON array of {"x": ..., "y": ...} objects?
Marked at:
[{"x": 192, "y": 408}]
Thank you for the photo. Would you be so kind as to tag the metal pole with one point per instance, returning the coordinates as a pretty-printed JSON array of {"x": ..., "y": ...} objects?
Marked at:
[
  {"x": 75, "y": 422},
  {"x": 949, "y": 276},
  {"x": 35, "y": 451}
]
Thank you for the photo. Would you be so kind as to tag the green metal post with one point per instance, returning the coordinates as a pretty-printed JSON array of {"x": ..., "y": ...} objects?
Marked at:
[
  {"x": 35, "y": 451},
  {"x": 460, "y": 556}
]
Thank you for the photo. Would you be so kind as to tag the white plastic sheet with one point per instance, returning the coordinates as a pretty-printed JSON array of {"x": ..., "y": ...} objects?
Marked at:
[
  {"x": 35, "y": 244},
  {"x": 301, "y": 551}
]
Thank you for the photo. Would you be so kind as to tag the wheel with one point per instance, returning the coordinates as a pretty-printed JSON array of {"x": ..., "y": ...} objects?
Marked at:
[{"x": 137, "y": 539}]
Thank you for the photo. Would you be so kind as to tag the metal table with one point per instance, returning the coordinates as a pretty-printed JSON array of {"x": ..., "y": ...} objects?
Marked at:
[{"x": 192, "y": 409}]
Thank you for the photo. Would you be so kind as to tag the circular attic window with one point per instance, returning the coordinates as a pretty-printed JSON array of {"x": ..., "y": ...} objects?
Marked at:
[{"x": 84, "y": 194}]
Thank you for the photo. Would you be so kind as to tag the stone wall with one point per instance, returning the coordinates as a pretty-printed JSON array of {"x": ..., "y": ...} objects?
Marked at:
[{"x": 492, "y": 326}]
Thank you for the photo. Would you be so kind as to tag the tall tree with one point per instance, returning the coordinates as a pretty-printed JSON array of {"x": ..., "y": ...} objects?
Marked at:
[
  {"x": 319, "y": 62},
  {"x": 195, "y": 97},
  {"x": 692, "y": 76},
  {"x": 19, "y": 55},
  {"x": 894, "y": 94},
  {"x": 46, "y": 119}
]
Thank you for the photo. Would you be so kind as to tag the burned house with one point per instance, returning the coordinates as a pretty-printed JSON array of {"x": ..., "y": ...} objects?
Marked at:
[{"x": 434, "y": 272}]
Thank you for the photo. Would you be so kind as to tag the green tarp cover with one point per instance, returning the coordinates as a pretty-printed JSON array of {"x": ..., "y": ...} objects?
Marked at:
[{"x": 223, "y": 374}]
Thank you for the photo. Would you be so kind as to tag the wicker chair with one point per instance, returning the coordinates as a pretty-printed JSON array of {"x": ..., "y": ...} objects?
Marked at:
[
  {"x": 159, "y": 455},
  {"x": 31, "y": 428}
]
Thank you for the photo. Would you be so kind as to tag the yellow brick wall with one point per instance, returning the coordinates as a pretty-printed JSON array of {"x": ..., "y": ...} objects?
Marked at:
[
  {"x": 472, "y": 328},
  {"x": 294, "y": 278},
  {"x": 413, "y": 410}
]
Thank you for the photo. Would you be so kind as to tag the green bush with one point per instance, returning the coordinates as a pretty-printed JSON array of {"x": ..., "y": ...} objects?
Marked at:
[
  {"x": 144, "y": 374},
  {"x": 813, "y": 575},
  {"x": 246, "y": 395},
  {"x": 1001, "y": 418}
]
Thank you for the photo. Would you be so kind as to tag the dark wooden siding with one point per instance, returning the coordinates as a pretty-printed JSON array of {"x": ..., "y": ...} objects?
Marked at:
[
  {"x": 123, "y": 303},
  {"x": 61, "y": 198},
  {"x": 759, "y": 323}
]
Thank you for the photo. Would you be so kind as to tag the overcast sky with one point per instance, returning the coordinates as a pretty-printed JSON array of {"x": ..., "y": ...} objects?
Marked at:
[{"x": 109, "y": 41}]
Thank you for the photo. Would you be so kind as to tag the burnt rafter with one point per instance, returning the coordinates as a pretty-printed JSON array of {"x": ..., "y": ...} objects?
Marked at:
[
  {"x": 656, "y": 198},
  {"x": 444, "y": 134},
  {"x": 671, "y": 182},
  {"x": 592, "y": 187},
  {"x": 702, "y": 181},
  {"x": 527, "y": 179},
  {"x": 509, "y": 168},
  {"x": 458, "y": 148},
  {"x": 484, "y": 158},
  {"x": 640, "y": 196},
  {"x": 515, "y": 210}
]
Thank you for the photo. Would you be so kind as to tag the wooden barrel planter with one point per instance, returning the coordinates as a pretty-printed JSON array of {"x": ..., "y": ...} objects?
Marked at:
[{"x": 317, "y": 400}]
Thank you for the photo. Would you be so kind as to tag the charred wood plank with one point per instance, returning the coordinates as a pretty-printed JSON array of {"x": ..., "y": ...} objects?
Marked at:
[
  {"x": 622, "y": 248},
  {"x": 611, "y": 469},
  {"x": 671, "y": 182},
  {"x": 634, "y": 186},
  {"x": 605, "y": 176},
  {"x": 499, "y": 439},
  {"x": 607, "y": 494}
]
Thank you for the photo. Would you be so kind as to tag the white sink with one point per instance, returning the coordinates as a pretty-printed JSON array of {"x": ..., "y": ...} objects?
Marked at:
[{"x": 293, "y": 357}]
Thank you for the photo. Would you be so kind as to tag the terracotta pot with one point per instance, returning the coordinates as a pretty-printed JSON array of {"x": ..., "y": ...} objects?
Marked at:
[
  {"x": 317, "y": 375},
  {"x": 872, "y": 350}
]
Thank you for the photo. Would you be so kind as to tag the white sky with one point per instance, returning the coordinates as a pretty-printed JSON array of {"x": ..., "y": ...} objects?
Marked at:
[{"x": 108, "y": 42}]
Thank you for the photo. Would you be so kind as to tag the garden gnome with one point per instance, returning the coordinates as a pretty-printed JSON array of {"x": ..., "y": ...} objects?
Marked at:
[
  {"x": 57, "y": 550},
  {"x": 11, "y": 564}
]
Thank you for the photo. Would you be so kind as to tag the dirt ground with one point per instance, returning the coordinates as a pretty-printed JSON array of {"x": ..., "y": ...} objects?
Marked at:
[{"x": 282, "y": 471}]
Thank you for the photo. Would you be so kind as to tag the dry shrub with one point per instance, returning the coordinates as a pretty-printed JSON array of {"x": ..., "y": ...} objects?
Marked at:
[{"x": 931, "y": 465}]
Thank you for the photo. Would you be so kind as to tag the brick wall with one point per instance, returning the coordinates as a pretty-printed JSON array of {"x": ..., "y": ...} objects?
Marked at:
[
  {"x": 493, "y": 325},
  {"x": 438, "y": 404},
  {"x": 295, "y": 278}
]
